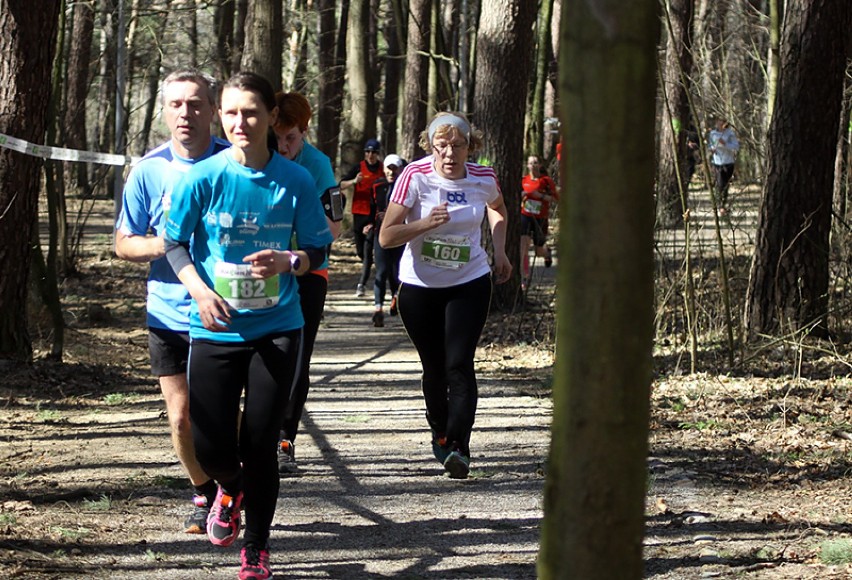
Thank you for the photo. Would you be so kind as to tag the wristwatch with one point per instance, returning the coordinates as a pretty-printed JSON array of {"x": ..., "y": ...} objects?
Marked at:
[{"x": 295, "y": 262}]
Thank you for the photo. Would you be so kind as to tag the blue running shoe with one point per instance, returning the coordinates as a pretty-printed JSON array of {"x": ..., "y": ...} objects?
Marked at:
[{"x": 457, "y": 465}]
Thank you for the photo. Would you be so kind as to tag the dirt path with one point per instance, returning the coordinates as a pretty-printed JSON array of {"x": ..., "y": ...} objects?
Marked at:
[
  {"x": 93, "y": 489},
  {"x": 747, "y": 477}
]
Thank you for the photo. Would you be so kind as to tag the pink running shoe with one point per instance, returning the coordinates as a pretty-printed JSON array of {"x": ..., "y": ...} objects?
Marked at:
[
  {"x": 254, "y": 563},
  {"x": 223, "y": 523}
]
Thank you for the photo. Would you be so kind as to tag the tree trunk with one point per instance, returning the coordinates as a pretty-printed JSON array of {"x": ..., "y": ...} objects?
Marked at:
[
  {"x": 394, "y": 34},
  {"x": 77, "y": 87},
  {"x": 441, "y": 97},
  {"x": 466, "y": 36},
  {"x": 675, "y": 118},
  {"x": 239, "y": 35},
  {"x": 535, "y": 128},
  {"x": 27, "y": 46},
  {"x": 776, "y": 17},
  {"x": 594, "y": 501},
  {"x": 416, "y": 78},
  {"x": 332, "y": 66},
  {"x": 551, "y": 90},
  {"x": 842, "y": 169},
  {"x": 788, "y": 284},
  {"x": 263, "y": 42},
  {"x": 104, "y": 126},
  {"x": 223, "y": 19},
  {"x": 502, "y": 72},
  {"x": 297, "y": 17},
  {"x": 362, "y": 114},
  {"x": 45, "y": 273}
]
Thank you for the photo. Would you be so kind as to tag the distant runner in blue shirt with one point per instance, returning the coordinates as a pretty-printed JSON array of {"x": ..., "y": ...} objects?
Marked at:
[
  {"x": 189, "y": 103},
  {"x": 239, "y": 210}
]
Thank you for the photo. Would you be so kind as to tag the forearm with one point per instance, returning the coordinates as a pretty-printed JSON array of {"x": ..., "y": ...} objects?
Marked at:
[
  {"x": 334, "y": 227},
  {"x": 138, "y": 248},
  {"x": 393, "y": 235},
  {"x": 497, "y": 222},
  {"x": 181, "y": 262}
]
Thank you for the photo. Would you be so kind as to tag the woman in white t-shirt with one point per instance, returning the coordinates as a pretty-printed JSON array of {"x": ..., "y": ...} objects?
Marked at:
[{"x": 437, "y": 209}]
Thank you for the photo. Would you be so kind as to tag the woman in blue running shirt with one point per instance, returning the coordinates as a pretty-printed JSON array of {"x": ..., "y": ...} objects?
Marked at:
[{"x": 241, "y": 208}]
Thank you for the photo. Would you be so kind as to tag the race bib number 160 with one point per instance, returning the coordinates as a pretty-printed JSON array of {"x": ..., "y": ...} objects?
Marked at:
[{"x": 446, "y": 251}]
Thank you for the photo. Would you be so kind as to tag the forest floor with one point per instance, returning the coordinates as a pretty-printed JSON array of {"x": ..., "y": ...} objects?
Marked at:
[{"x": 748, "y": 468}]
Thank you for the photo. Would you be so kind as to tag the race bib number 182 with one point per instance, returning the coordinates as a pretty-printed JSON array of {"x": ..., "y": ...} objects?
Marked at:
[{"x": 234, "y": 283}]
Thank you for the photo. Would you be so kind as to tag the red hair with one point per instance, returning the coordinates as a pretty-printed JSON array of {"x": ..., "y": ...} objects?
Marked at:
[{"x": 294, "y": 110}]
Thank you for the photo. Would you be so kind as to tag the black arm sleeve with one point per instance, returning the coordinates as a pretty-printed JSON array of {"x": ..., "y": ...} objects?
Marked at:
[
  {"x": 316, "y": 256},
  {"x": 177, "y": 253}
]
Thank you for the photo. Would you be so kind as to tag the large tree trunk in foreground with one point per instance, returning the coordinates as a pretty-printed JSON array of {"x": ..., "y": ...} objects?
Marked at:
[{"x": 595, "y": 490}]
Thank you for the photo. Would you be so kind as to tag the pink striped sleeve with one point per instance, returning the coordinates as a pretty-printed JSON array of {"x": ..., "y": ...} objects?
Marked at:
[
  {"x": 485, "y": 173},
  {"x": 400, "y": 193}
]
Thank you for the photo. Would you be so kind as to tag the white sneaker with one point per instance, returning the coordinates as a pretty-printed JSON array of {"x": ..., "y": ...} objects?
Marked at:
[{"x": 359, "y": 291}]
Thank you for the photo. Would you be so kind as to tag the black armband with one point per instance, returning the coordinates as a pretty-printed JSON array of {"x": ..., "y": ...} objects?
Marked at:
[
  {"x": 333, "y": 202},
  {"x": 177, "y": 254}
]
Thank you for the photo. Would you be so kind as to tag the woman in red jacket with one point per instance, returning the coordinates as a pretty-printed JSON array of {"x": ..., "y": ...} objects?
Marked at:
[{"x": 539, "y": 191}]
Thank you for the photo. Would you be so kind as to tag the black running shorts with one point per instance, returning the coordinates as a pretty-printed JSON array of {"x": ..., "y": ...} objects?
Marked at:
[{"x": 169, "y": 351}]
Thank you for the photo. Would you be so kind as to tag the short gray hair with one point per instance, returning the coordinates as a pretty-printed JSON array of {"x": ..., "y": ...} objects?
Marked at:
[{"x": 193, "y": 76}]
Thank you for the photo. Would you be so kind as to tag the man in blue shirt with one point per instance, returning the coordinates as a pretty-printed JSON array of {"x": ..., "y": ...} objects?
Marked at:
[{"x": 189, "y": 104}]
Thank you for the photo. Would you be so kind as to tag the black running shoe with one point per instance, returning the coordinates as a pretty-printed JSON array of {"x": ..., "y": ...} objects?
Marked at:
[
  {"x": 196, "y": 522},
  {"x": 378, "y": 319},
  {"x": 286, "y": 457}
]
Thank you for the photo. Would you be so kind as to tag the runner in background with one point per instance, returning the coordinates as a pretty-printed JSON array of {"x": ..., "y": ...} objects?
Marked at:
[
  {"x": 360, "y": 179},
  {"x": 294, "y": 114},
  {"x": 539, "y": 191},
  {"x": 437, "y": 209},
  {"x": 241, "y": 209},
  {"x": 723, "y": 145},
  {"x": 387, "y": 259},
  {"x": 189, "y": 103}
]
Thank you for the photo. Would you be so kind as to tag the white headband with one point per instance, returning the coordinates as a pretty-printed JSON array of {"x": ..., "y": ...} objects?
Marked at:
[{"x": 452, "y": 120}]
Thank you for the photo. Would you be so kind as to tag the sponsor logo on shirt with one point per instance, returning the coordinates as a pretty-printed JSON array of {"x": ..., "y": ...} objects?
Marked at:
[
  {"x": 456, "y": 197},
  {"x": 225, "y": 220},
  {"x": 248, "y": 225},
  {"x": 267, "y": 244}
]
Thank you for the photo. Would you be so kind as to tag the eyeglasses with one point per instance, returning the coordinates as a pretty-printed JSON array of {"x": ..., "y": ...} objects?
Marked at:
[{"x": 443, "y": 149}]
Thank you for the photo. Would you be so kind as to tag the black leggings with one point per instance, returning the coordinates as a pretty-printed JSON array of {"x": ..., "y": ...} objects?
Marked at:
[
  {"x": 363, "y": 245},
  {"x": 312, "y": 291},
  {"x": 218, "y": 375},
  {"x": 724, "y": 173},
  {"x": 445, "y": 324},
  {"x": 387, "y": 272}
]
